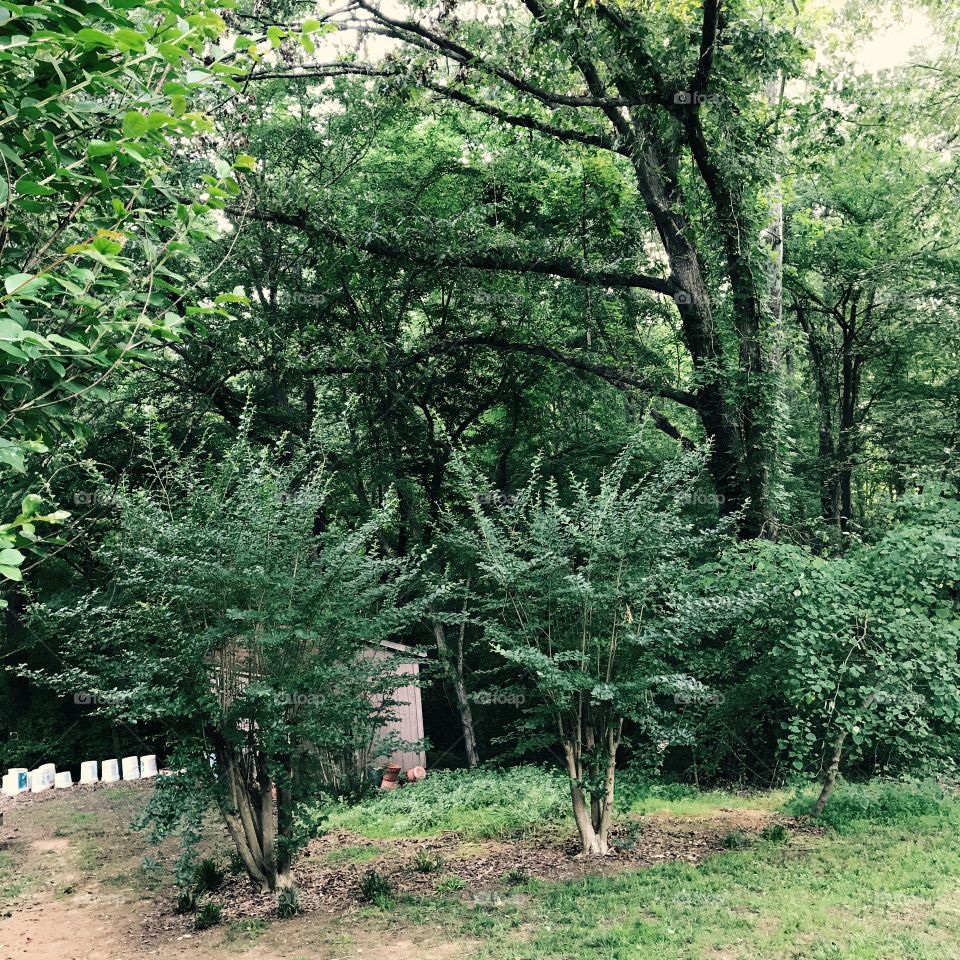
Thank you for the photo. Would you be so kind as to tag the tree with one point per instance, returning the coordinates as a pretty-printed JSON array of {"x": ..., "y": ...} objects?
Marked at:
[
  {"x": 95, "y": 228},
  {"x": 673, "y": 97},
  {"x": 872, "y": 280},
  {"x": 585, "y": 593},
  {"x": 237, "y": 612},
  {"x": 871, "y": 660}
]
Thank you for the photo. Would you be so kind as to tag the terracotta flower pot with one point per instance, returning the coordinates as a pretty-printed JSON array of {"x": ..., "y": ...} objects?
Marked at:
[
  {"x": 386, "y": 784},
  {"x": 415, "y": 773},
  {"x": 392, "y": 772}
]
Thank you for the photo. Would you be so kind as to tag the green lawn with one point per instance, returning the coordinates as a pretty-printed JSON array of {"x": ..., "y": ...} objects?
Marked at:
[{"x": 886, "y": 888}]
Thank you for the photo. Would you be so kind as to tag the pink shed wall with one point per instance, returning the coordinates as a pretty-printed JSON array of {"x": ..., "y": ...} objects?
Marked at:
[{"x": 409, "y": 722}]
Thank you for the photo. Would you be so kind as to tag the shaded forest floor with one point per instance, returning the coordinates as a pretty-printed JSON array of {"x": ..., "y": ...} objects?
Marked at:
[{"x": 719, "y": 879}]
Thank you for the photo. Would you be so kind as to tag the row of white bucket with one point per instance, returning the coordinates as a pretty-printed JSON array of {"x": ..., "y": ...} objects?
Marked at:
[{"x": 20, "y": 779}]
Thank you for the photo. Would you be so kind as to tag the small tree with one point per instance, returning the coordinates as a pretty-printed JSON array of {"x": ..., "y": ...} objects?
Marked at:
[
  {"x": 585, "y": 593},
  {"x": 870, "y": 656},
  {"x": 240, "y": 616}
]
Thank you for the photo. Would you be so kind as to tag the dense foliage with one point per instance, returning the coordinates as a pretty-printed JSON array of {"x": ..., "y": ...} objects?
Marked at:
[{"x": 478, "y": 250}]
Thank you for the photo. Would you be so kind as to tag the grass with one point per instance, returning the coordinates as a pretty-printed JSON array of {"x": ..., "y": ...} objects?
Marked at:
[
  {"x": 683, "y": 801},
  {"x": 881, "y": 881},
  {"x": 880, "y": 885},
  {"x": 480, "y": 805},
  {"x": 517, "y": 802},
  {"x": 12, "y": 881},
  {"x": 352, "y": 855}
]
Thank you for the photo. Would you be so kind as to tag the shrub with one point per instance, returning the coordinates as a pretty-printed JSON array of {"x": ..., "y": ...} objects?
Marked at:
[
  {"x": 424, "y": 863},
  {"x": 186, "y": 901},
  {"x": 376, "y": 888},
  {"x": 884, "y": 803},
  {"x": 209, "y": 914},
  {"x": 288, "y": 904},
  {"x": 775, "y": 833},
  {"x": 736, "y": 840},
  {"x": 207, "y": 877},
  {"x": 450, "y": 884}
]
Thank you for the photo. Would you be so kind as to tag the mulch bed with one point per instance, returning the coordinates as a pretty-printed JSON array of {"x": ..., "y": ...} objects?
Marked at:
[{"x": 490, "y": 870}]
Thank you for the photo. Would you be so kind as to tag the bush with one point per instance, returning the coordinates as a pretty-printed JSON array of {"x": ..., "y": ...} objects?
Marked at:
[
  {"x": 516, "y": 876},
  {"x": 186, "y": 901},
  {"x": 209, "y": 914},
  {"x": 884, "y": 803},
  {"x": 775, "y": 833},
  {"x": 450, "y": 884},
  {"x": 737, "y": 840},
  {"x": 207, "y": 877},
  {"x": 479, "y": 804},
  {"x": 424, "y": 863}
]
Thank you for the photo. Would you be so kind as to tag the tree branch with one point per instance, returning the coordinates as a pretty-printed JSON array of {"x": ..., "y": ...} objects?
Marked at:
[{"x": 499, "y": 262}]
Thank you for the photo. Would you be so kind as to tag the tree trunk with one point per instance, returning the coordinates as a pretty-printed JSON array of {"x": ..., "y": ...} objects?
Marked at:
[
  {"x": 454, "y": 671},
  {"x": 246, "y": 805},
  {"x": 594, "y": 814},
  {"x": 830, "y": 780},
  {"x": 827, "y": 459},
  {"x": 849, "y": 400},
  {"x": 738, "y": 460}
]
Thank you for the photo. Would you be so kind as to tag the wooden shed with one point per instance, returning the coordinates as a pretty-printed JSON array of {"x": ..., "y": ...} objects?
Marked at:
[{"x": 408, "y": 724}]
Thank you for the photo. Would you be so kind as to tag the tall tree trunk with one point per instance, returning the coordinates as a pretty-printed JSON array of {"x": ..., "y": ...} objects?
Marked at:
[
  {"x": 849, "y": 401},
  {"x": 824, "y": 378},
  {"x": 453, "y": 667}
]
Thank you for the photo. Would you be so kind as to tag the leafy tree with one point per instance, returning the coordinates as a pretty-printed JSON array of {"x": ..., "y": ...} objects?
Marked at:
[
  {"x": 670, "y": 104},
  {"x": 96, "y": 226},
  {"x": 586, "y": 593},
  {"x": 237, "y": 612},
  {"x": 872, "y": 659}
]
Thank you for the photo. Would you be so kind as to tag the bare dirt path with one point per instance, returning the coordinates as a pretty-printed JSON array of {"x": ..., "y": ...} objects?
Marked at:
[{"x": 73, "y": 887}]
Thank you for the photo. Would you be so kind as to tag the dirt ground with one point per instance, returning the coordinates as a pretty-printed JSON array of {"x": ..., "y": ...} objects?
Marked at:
[{"x": 77, "y": 884}]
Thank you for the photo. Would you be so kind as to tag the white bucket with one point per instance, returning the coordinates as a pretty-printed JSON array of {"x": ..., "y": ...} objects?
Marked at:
[
  {"x": 19, "y": 780},
  {"x": 9, "y": 786},
  {"x": 88, "y": 771},
  {"x": 111, "y": 771},
  {"x": 48, "y": 774},
  {"x": 38, "y": 783},
  {"x": 148, "y": 766},
  {"x": 131, "y": 768},
  {"x": 63, "y": 780}
]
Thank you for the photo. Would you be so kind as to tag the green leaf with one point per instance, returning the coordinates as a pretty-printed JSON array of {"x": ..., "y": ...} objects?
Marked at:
[
  {"x": 23, "y": 284},
  {"x": 30, "y": 188},
  {"x": 135, "y": 124}
]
